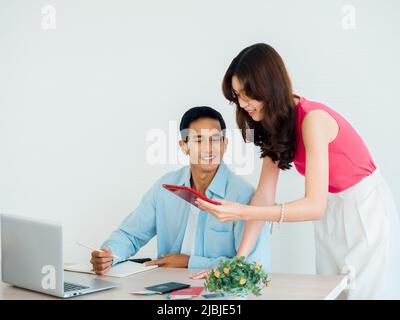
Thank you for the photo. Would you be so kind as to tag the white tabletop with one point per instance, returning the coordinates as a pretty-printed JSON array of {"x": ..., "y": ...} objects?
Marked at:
[{"x": 282, "y": 286}]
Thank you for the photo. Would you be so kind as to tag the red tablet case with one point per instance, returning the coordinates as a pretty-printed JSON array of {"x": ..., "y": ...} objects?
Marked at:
[{"x": 188, "y": 194}]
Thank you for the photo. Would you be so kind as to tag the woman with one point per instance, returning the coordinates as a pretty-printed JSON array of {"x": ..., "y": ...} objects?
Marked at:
[{"x": 356, "y": 222}]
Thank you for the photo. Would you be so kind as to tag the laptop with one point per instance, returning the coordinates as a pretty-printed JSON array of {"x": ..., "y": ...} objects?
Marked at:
[{"x": 32, "y": 258}]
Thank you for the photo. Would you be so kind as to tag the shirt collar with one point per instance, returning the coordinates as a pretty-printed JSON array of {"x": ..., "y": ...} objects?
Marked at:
[{"x": 218, "y": 183}]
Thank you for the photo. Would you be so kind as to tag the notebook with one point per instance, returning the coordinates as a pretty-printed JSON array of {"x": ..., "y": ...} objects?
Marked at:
[
  {"x": 167, "y": 287},
  {"x": 119, "y": 270}
]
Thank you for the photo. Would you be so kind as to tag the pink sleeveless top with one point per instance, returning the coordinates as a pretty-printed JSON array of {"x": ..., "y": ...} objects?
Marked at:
[{"x": 349, "y": 158}]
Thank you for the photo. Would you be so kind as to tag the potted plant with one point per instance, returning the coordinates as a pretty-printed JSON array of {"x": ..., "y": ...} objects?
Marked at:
[{"x": 237, "y": 278}]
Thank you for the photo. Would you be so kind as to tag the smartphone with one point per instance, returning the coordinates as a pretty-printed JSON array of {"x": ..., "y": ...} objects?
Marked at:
[{"x": 139, "y": 260}]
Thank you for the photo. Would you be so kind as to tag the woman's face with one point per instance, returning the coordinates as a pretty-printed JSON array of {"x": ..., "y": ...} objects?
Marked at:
[{"x": 251, "y": 106}]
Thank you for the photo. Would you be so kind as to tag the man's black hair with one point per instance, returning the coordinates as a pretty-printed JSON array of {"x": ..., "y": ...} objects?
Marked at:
[{"x": 196, "y": 113}]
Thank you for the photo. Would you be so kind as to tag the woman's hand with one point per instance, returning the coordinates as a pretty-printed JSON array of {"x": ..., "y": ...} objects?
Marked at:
[
  {"x": 226, "y": 211},
  {"x": 200, "y": 275}
]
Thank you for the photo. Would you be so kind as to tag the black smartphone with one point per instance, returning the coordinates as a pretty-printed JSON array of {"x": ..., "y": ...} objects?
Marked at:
[{"x": 139, "y": 260}]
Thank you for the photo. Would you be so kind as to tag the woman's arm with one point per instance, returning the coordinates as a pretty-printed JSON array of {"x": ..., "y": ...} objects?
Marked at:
[
  {"x": 264, "y": 196},
  {"x": 318, "y": 130}
]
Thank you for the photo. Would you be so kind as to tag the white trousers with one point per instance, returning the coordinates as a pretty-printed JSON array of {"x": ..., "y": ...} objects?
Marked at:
[{"x": 359, "y": 235}]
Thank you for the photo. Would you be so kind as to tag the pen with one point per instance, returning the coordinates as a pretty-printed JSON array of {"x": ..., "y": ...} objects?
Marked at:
[{"x": 95, "y": 249}]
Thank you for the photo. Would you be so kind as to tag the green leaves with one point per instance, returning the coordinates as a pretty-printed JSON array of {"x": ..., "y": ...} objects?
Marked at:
[{"x": 236, "y": 276}]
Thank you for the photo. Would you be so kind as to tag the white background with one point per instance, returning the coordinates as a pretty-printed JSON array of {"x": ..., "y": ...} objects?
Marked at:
[{"x": 77, "y": 101}]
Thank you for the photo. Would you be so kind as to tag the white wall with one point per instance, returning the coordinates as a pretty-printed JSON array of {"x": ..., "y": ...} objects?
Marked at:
[{"x": 77, "y": 101}]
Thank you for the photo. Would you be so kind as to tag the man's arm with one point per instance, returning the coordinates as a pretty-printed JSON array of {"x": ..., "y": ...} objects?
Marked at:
[{"x": 137, "y": 229}]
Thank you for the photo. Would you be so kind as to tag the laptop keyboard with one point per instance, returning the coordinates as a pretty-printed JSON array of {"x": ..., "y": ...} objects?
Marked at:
[{"x": 73, "y": 287}]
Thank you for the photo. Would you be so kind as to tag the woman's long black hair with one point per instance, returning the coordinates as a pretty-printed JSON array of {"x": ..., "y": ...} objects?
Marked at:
[{"x": 262, "y": 72}]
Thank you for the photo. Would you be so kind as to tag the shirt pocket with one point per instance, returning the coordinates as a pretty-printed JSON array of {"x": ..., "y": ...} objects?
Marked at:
[
  {"x": 219, "y": 243},
  {"x": 218, "y": 226}
]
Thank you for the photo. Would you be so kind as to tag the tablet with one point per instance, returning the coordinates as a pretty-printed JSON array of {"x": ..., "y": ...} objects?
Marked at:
[{"x": 188, "y": 194}]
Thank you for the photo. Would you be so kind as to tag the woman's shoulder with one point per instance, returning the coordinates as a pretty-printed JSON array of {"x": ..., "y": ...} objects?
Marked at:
[
  {"x": 306, "y": 105},
  {"x": 318, "y": 117}
]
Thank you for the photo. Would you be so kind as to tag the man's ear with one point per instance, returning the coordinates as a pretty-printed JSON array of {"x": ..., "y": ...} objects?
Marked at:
[{"x": 184, "y": 147}]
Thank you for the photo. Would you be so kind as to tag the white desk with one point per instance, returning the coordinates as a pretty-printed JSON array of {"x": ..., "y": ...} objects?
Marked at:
[{"x": 282, "y": 286}]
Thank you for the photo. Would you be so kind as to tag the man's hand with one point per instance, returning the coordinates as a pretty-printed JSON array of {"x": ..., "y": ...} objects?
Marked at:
[
  {"x": 172, "y": 260},
  {"x": 101, "y": 261}
]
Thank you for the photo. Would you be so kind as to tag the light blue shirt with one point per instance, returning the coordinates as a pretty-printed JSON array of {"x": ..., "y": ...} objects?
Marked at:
[{"x": 164, "y": 214}]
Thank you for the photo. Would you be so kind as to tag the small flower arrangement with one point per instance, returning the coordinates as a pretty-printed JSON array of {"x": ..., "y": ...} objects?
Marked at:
[{"x": 237, "y": 278}]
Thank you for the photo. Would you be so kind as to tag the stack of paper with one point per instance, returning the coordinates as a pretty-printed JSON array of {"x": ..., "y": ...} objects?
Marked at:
[{"x": 119, "y": 270}]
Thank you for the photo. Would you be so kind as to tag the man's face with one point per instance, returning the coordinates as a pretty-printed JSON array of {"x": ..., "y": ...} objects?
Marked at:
[{"x": 205, "y": 145}]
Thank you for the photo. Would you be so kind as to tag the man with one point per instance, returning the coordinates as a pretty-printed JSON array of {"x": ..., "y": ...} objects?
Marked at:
[{"x": 186, "y": 236}]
